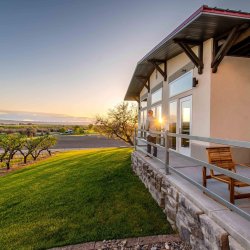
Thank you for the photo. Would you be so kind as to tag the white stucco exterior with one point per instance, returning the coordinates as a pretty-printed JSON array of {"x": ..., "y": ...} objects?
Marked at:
[{"x": 220, "y": 101}]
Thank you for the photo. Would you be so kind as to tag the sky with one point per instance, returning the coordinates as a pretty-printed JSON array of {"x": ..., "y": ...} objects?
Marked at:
[{"x": 76, "y": 57}]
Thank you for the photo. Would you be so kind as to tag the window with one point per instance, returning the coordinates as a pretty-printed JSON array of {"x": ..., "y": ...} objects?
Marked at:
[
  {"x": 143, "y": 114},
  {"x": 144, "y": 103},
  {"x": 143, "y": 118},
  {"x": 156, "y": 96},
  {"x": 172, "y": 123},
  {"x": 157, "y": 112},
  {"x": 181, "y": 84},
  {"x": 157, "y": 109}
]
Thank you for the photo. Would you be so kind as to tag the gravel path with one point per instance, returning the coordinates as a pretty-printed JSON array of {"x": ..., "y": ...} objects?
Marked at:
[{"x": 159, "y": 242}]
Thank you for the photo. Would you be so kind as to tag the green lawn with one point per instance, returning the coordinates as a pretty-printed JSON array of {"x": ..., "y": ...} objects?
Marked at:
[{"x": 74, "y": 197}]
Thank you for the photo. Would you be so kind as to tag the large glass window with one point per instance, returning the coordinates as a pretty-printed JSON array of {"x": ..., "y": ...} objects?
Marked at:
[
  {"x": 144, "y": 103},
  {"x": 157, "y": 110},
  {"x": 181, "y": 84},
  {"x": 172, "y": 123},
  {"x": 143, "y": 114},
  {"x": 156, "y": 96},
  {"x": 143, "y": 118},
  {"x": 186, "y": 107}
]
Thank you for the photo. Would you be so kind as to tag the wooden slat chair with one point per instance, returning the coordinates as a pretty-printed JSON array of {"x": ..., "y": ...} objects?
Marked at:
[{"x": 222, "y": 157}]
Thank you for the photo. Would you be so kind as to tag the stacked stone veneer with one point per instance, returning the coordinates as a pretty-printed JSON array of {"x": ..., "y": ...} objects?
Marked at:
[{"x": 193, "y": 225}]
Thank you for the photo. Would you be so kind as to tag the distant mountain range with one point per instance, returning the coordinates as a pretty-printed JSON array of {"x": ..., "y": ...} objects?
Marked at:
[{"x": 16, "y": 117}]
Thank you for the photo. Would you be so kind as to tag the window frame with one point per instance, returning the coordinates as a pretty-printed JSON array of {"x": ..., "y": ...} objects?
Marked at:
[
  {"x": 172, "y": 82},
  {"x": 158, "y": 87}
]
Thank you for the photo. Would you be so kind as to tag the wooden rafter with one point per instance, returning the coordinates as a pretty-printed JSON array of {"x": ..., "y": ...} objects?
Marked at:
[
  {"x": 137, "y": 99},
  {"x": 228, "y": 46},
  {"x": 156, "y": 64},
  {"x": 144, "y": 80},
  {"x": 197, "y": 60},
  {"x": 218, "y": 54},
  {"x": 243, "y": 47}
]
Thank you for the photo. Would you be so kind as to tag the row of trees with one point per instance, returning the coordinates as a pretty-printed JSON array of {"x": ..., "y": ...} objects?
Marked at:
[
  {"x": 11, "y": 144},
  {"x": 29, "y": 131},
  {"x": 32, "y": 130}
]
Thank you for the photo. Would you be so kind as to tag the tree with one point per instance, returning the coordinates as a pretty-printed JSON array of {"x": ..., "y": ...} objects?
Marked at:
[
  {"x": 48, "y": 142},
  {"x": 29, "y": 145},
  {"x": 43, "y": 143},
  {"x": 62, "y": 130},
  {"x": 120, "y": 122},
  {"x": 4, "y": 145},
  {"x": 14, "y": 144},
  {"x": 30, "y": 131},
  {"x": 90, "y": 126}
]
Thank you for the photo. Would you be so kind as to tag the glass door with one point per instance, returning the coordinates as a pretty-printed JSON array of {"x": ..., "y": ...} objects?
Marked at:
[
  {"x": 172, "y": 123},
  {"x": 185, "y": 124}
]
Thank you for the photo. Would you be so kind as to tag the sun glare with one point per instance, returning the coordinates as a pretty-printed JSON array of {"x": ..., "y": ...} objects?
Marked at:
[{"x": 160, "y": 120}]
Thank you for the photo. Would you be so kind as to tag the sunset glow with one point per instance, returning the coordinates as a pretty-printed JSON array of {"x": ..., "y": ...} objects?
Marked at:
[{"x": 76, "y": 57}]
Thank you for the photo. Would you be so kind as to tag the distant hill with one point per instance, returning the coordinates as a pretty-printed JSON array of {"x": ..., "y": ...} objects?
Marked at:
[
  {"x": 17, "y": 117},
  {"x": 13, "y": 122}
]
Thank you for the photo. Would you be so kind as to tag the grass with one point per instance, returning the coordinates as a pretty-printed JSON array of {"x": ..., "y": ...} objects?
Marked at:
[{"x": 73, "y": 197}]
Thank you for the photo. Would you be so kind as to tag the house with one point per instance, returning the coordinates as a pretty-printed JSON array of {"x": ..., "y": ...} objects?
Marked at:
[{"x": 197, "y": 80}]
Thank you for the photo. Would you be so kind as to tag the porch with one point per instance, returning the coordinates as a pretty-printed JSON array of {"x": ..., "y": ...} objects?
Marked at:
[
  {"x": 199, "y": 218},
  {"x": 193, "y": 170},
  {"x": 184, "y": 174},
  {"x": 190, "y": 167}
]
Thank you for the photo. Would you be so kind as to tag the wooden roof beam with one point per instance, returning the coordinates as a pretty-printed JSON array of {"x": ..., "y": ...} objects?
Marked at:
[
  {"x": 197, "y": 60},
  {"x": 142, "y": 80},
  {"x": 137, "y": 99},
  {"x": 243, "y": 46},
  {"x": 218, "y": 54},
  {"x": 156, "y": 63}
]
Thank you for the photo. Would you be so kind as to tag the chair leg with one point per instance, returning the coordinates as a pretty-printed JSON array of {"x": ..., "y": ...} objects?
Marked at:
[
  {"x": 231, "y": 190},
  {"x": 204, "y": 174}
]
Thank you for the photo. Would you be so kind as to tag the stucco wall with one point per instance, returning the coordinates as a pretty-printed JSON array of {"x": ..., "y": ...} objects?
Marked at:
[
  {"x": 230, "y": 99},
  {"x": 202, "y": 94},
  {"x": 173, "y": 65},
  {"x": 221, "y": 100}
]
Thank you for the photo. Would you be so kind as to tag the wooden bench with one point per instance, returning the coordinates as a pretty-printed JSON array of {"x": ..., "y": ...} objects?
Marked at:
[{"x": 222, "y": 157}]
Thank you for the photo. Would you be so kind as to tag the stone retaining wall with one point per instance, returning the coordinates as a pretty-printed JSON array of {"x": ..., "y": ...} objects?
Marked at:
[{"x": 192, "y": 223}]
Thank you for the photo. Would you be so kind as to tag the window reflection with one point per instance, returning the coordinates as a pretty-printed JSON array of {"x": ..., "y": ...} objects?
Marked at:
[
  {"x": 172, "y": 123},
  {"x": 156, "y": 96},
  {"x": 185, "y": 121},
  {"x": 144, "y": 103},
  {"x": 181, "y": 84}
]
